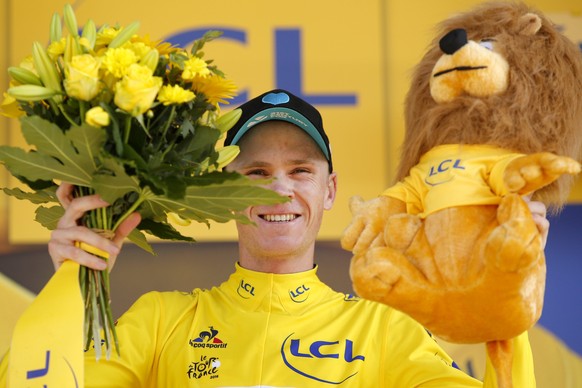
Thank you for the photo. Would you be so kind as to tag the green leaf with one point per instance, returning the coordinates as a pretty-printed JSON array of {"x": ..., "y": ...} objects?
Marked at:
[
  {"x": 219, "y": 202},
  {"x": 175, "y": 187},
  {"x": 50, "y": 140},
  {"x": 111, "y": 182},
  {"x": 36, "y": 166},
  {"x": 163, "y": 231},
  {"x": 56, "y": 155},
  {"x": 41, "y": 196},
  {"x": 207, "y": 37},
  {"x": 88, "y": 141},
  {"x": 140, "y": 240},
  {"x": 49, "y": 216}
]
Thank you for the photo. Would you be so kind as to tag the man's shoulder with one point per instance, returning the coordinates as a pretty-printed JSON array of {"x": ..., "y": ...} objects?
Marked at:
[
  {"x": 167, "y": 300},
  {"x": 355, "y": 302}
]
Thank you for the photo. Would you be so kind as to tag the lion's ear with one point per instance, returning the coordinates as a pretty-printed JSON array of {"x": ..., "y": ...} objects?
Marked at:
[{"x": 529, "y": 24}]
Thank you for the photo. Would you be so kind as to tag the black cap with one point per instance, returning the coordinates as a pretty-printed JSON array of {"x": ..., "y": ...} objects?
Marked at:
[{"x": 281, "y": 105}]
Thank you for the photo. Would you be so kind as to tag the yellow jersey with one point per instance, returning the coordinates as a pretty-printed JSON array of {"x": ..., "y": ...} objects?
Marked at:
[
  {"x": 276, "y": 330},
  {"x": 454, "y": 175}
]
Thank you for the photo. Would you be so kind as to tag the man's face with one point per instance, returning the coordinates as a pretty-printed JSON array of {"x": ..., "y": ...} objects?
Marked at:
[{"x": 282, "y": 152}]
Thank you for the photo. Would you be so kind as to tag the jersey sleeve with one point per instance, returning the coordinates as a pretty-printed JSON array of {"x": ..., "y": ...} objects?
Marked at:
[
  {"x": 414, "y": 359},
  {"x": 137, "y": 339},
  {"x": 495, "y": 178}
]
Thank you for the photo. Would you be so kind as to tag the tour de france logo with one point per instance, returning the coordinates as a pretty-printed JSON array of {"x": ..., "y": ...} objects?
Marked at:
[{"x": 206, "y": 367}]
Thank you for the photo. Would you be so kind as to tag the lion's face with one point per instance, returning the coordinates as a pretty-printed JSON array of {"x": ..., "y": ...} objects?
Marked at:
[
  {"x": 513, "y": 81},
  {"x": 467, "y": 67}
]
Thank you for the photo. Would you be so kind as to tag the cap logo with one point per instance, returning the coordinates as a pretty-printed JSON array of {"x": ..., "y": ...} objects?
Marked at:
[{"x": 276, "y": 98}]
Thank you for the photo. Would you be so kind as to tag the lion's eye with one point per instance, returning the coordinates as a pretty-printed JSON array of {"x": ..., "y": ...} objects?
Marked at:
[{"x": 487, "y": 43}]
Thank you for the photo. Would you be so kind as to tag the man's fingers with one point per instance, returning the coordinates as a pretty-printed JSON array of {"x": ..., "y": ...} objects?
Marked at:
[
  {"x": 539, "y": 214},
  {"x": 125, "y": 228},
  {"x": 62, "y": 246},
  {"x": 62, "y": 252},
  {"x": 65, "y": 194},
  {"x": 77, "y": 208},
  {"x": 537, "y": 208}
]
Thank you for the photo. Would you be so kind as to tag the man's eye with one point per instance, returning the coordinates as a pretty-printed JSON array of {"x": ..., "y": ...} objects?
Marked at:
[
  {"x": 300, "y": 170},
  {"x": 257, "y": 172}
]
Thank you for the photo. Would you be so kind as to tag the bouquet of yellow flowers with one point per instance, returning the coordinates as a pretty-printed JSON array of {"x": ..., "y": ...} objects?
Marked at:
[{"x": 135, "y": 121}]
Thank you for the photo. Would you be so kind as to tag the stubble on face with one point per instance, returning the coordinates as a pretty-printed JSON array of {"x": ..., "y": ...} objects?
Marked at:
[{"x": 284, "y": 233}]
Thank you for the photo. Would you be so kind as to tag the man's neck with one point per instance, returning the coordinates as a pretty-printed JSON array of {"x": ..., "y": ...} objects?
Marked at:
[{"x": 278, "y": 265}]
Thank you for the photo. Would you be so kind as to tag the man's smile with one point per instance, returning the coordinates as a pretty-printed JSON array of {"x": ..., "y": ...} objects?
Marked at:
[{"x": 279, "y": 217}]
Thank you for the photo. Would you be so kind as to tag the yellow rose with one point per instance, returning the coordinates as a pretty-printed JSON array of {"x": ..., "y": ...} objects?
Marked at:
[
  {"x": 82, "y": 77},
  {"x": 97, "y": 117},
  {"x": 137, "y": 90},
  {"x": 174, "y": 95}
]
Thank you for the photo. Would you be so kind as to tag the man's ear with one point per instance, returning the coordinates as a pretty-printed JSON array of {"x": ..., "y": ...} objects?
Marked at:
[{"x": 331, "y": 191}]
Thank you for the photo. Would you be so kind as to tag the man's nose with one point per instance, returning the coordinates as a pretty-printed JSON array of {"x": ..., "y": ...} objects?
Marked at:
[{"x": 282, "y": 185}]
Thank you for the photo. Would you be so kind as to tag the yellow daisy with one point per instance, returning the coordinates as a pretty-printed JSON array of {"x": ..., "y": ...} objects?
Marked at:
[{"x": 215, "y": 88}]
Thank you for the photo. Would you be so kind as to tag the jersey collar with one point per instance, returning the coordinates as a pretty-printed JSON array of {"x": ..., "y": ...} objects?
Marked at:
[{"x": 284, "y": 293}]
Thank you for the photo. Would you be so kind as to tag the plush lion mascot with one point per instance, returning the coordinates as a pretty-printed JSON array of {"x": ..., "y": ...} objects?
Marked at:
[{"x": 493, "y": 114}]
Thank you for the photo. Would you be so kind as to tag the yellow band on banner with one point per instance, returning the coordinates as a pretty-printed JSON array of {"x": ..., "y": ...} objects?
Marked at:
[{"x": 47, "y": 343}]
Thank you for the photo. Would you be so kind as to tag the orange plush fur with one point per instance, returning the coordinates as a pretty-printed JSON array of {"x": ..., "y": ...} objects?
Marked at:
[{"x": 476, "y": 272}]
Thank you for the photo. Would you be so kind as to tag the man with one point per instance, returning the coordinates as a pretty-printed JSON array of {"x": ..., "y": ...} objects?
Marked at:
[{"x": 272, "y": 323}]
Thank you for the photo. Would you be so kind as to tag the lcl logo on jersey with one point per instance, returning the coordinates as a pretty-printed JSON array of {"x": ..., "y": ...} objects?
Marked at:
[
  {"x": 300, "y": 294},
  {"x": 442, "y": 172},
  {"x": 331, "y": 362},
  {"x": 245, "y": 290}
]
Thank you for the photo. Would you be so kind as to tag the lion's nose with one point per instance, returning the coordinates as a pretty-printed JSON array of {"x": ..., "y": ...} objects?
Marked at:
[{"x": 453, "y": 41}]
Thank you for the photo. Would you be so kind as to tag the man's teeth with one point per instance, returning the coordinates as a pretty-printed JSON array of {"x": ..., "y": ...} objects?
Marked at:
[{"x": 279, "y": 217}]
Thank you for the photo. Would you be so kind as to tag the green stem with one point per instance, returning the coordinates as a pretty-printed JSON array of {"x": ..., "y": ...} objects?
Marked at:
[
  {"x": 55, "y": 107},
  {"x": 103, "y": 313},
  {"x": 127, "y": 130},
  {"x": 69, "y": 118},
  {"x": 128, "y": 212},
  {"x": 96, "y": 326},
  {"x": 83, "y": 110},
  {"x": 165, "y": 128}
]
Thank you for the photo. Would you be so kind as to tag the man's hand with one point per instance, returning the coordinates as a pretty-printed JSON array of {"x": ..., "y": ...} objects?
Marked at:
[
  {"x": 62, "y": 243},
  {"x": 539, "y": 213}
]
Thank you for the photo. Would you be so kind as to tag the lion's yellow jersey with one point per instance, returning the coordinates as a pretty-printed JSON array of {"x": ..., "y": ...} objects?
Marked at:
[
  {"x": 270, "y": 330},
  {"x": 454, "y": 175}
]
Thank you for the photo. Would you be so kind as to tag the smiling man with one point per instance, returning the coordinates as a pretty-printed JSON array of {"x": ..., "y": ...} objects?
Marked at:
[
  {"x": 272, "y": 323},
  {"x": 299, "y": 164}
]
